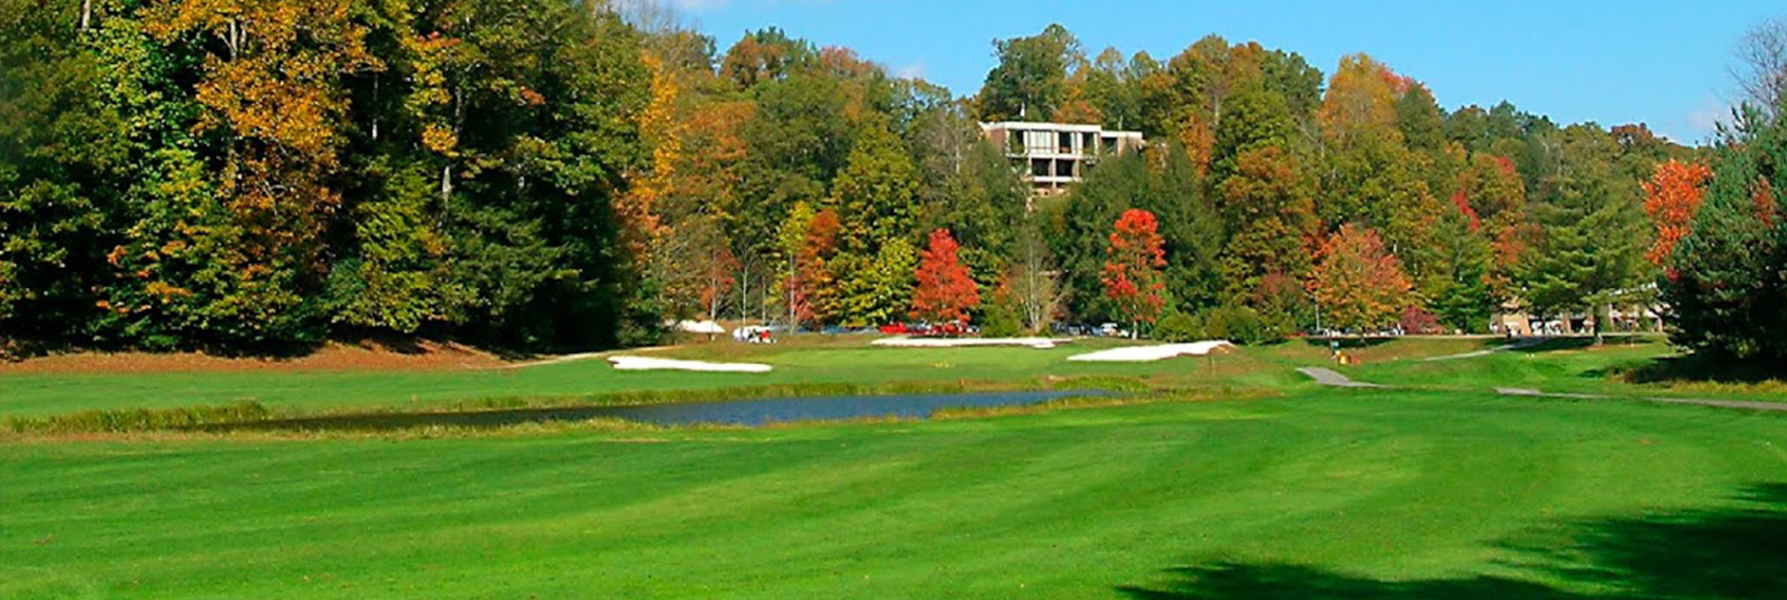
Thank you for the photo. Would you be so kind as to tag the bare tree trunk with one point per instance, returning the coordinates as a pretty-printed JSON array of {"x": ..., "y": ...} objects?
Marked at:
[
  {"x": 790, "y": 290},
  {"x": 235, "y": 39},
  {"x": 446, "y": 182},
  {"x": 375, "y": 100},
  {"x": 86, "y": 14},
  {"x": 744, "y": 290},
  {"x": 458, "y": 126},
  {"x": 1762, "y": 68}
]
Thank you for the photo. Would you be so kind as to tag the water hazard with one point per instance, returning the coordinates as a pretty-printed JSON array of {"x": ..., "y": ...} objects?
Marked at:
[{"x": 733, "y": 412}]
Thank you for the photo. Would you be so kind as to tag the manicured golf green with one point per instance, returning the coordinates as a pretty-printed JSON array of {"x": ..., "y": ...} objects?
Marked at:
[{"x": 1330, "y": 494}]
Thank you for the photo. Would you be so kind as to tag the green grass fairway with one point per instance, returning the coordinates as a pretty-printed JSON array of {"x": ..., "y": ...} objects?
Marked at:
[
  {"x": 1443, "y": 490},
  {"x": 849, "y": 361},
  {"x": 1332, "y": 494},
  {"x": 1561, "y": 366}
]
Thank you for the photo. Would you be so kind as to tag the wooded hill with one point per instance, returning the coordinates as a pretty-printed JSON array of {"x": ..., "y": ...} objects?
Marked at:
[{"x": 550, "y": 174}]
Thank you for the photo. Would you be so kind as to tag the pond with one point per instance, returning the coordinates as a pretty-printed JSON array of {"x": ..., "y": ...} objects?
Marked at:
[{"x": 751, "y": 413}]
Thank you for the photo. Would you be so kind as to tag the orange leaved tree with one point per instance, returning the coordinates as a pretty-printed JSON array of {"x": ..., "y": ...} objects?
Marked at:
[
  {"x": 1671, "y": 197},
  {"x": 945, "y": 292},
  {"x": 811, "y": 287},
  {"x": 1358, "y": 283},
  {"x": 1132, "y": 269}
]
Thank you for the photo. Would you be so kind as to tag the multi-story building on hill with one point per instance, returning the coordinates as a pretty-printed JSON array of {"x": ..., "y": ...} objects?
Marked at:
[{"x": 1053, "y": 155}]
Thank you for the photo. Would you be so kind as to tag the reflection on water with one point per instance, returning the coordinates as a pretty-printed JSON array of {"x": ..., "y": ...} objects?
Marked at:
[{"x": 735, "y": 412}]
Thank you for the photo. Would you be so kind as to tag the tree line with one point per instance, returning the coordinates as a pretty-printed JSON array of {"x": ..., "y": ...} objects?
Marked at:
[
  {"x": 262, "y": 174},
  {"x": 547, "y": 174}
]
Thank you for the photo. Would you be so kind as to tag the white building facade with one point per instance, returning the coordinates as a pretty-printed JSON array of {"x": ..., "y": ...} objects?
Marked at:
[{"x": 1053, "y": 155}]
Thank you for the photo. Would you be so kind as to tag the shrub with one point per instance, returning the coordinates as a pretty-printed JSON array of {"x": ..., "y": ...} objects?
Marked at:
[
  {"x": 1000, "y": 320},
  {"x": 1418, "y": 321},
  {"x": 1179, "y": 328},
  {"x": 1238, "y": 324}
]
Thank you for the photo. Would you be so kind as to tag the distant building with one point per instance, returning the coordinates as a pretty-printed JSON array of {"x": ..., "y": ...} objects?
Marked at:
[
  {"x": 1053, "y": 155},
  {"x": 1638, "y": 312}
]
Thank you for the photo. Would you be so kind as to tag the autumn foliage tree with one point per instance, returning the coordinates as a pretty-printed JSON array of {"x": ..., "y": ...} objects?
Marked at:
[
  {"x": 247, "y": 268},
  {"x": 1133, "y": 270},
  {"x": 1358, "y": 283},
  {"x": 1269, "y": 203},
  {"x": 1671, "y": 198},
  {"x": 945, "y": 291},
  {"x": 812, "y": 293}
]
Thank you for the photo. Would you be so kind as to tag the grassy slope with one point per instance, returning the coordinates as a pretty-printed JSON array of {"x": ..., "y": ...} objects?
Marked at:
[
  {"x": 1335, "y": 494},
  {"x": 1567, "y": 366}
]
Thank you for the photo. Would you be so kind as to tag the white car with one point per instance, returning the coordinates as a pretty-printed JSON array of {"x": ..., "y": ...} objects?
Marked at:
[{"x": 1112, "y": 330}]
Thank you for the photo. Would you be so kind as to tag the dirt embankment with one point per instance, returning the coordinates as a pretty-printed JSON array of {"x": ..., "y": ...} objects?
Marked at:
[{"x": 366, "y": 356}]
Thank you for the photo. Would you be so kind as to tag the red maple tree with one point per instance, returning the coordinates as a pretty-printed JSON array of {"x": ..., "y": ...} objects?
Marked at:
[
  {"x": 945, "y": 292},
  {"x": 1132, "y": 270},
  {"x": 1672, "y": 196}
]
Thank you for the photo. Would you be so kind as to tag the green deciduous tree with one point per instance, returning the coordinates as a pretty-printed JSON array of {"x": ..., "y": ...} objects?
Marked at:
[
  {"x": 61, "y": 146},
  {"x": 399, "y": 279},
  {"x": 875, "y": 289},
  {"x": 875, "y": 192},
  {"x": 1029, "y": 82}
]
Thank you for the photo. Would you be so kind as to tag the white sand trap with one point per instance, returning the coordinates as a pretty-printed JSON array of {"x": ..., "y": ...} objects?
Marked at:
[
  {"x": 1150, "y": 353},
  {"x": 642, "y": 363},
  {"x": 907, "y": 342}
]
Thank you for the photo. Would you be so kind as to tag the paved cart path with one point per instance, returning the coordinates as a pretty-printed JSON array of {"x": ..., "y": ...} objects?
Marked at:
[{"x": 1331, "y": 377}]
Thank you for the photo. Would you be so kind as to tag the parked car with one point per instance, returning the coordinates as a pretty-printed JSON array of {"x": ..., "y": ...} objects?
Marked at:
[
  {"x": 754, "y": 334},
  {"x": 1112, "y": 330},
  {"x": 950, "y": 329}
]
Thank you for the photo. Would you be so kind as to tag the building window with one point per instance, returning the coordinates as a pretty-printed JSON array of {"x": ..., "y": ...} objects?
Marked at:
[
  {"x": 1088, "y": 143},
  {"x": 1064, "y": 168},
  {"x": 1039, "y": 167},
  {"x": 1064, "y": 143}
]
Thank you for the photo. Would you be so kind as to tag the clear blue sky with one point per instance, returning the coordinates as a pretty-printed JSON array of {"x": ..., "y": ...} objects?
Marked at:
[{"x": 1663, "y": 63}]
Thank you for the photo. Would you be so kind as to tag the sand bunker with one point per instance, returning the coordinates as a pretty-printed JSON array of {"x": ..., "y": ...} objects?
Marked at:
[
  {"x": 641, "y": 363},
  {"x": 1150, "y": 353},
  {"x": 906, "y": 342}
]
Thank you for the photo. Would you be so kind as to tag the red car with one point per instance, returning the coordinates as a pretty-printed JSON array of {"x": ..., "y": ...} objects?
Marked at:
[{"x": 951, "y": 329}]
